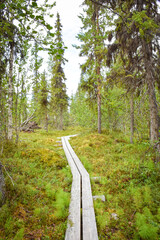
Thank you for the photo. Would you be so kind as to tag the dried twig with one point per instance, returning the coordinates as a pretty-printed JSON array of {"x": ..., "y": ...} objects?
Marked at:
[{"x": 8, "y": 174}]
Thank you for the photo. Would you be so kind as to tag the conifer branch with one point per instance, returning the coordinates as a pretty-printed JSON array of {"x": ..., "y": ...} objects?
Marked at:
[{"x": 105, "y": 6}]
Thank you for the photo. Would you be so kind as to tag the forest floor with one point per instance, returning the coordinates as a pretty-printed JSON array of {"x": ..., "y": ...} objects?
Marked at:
[{"x": 37, "y": 204}]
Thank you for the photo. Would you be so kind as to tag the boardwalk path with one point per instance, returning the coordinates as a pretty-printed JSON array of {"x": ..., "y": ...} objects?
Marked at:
[{"x": 81, "y": 221}]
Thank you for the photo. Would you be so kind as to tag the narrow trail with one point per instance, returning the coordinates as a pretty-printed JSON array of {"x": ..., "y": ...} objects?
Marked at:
[{"x": 81, "y": 220}]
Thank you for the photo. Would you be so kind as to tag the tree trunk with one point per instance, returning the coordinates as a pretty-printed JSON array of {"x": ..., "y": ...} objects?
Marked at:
[
  {"x": 98, "y": 71},
  {"x": 132, "y": 117},
  {"x": 99, "y": 104},
  {"x": 1, "y": 109},
  {"x": 46, "y": 121},
  {"x": 149, "y": 65},
  {"x": 10, "y": 94},
  {"x": 17, "y": 126},
  {"x": 154, "y": 129},
  {"x": 61, "y": 119},
  {"x": 2, "y": 187}
]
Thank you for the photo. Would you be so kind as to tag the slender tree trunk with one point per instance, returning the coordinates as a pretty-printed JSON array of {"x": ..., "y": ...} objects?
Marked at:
[
  {"x": 16, "y": 112},
  {"x": 2, "y": 187},
  {"x": 99, "y": 101},
  {"x": 98, "y": 71},
  {"x": 154, "y": 128},
  {"x": 132, "y": 117},
  {"x": 1, "y": 109},
  {"x": 61, "y": 119},
  {"x": 23, "y": 105},
  {"x": 46, "y": 121},
  {"x": 10, "y": 94}
]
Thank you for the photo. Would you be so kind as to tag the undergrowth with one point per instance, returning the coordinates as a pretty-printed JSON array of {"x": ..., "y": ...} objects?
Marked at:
[
  {"x": 129, "y": 179},
  {"x": 37, "y": 205}
]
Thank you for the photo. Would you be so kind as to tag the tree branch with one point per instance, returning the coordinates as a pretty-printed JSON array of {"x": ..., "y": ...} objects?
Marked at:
[
  {"x": 8, "y": 174},
  {"x": 105, "y": 6}
]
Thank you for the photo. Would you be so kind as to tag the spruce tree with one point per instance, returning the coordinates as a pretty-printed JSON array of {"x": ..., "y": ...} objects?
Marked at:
[
  {"x": 19, "y": 21},
  {"x": 43, "y": 101},
  {"x": 137, "y": 37},
  {"x": 59, "y": 98},
  {"x": 92, "y": 37}
]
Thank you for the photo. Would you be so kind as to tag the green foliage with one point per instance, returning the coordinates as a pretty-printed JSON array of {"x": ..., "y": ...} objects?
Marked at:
[
  {"x": 59, "y": 98},
  {"x": 62, "y": 202},
  {"x": 50, "y": 192},
  {"x": 81, "y": 113},
  {"x": 92, "y": 38},
  {"x": 147, "y": 228},
  {"x": 19, "y": 234},
  {"x": 8, "y": 225},
  {"x": 35, "y": 204},
  {"x": 144, "y": 22},
  {"x": 129, "y": 181}
]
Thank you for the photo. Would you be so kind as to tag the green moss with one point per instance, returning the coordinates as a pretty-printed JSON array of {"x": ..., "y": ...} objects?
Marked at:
[
  {"x": 130, "y": 183},
  {"x": 19, "y": 234},
  {"x": 39, "y": 200},
  {"x": 39, "y": 171}
]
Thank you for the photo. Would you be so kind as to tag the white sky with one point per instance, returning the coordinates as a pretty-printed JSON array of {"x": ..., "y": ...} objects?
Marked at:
[{"x": 69, "y": 11}]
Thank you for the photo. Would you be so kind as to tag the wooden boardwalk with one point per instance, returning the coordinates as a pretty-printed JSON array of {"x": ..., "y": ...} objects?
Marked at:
[{"x": 81, "y": 220}]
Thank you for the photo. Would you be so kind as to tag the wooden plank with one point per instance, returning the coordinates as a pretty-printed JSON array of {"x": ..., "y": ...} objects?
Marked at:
[
  {"x": 78, "y": 163},
  {"x": 89, "y": 227},
  {"x": 89, "y": 220},
  {"x": 74, "y": 220}
]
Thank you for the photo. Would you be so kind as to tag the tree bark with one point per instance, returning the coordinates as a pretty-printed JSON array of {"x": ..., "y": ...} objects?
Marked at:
[
  {"x": 132, "y": 118},
  {"x": 10, "y": 94},
  {"x": 2, "y": 187},
  {"x": 17, "y": 126},
  {"x": 1, "y": 109},
  {"x": 98, "y": 72},
  {"x": 154, "y": 128},
  {"x": 149, "y": 66},
  {"x": 61, "y": 119},
  {"x": 46, "y": 121},
  {"x": 99, "y": 102}
]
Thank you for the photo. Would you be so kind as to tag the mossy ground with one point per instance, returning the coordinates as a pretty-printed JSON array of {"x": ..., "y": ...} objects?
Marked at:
[
  {"x": 129, "y": 180},
  {"x": 37, "y": 204}
]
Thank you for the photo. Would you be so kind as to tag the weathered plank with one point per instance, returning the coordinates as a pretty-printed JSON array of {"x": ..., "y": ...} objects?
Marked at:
[
  {"x": 89, "y": 221},
  {"x": 74, "y": 219},
  {"x": 89, "y": 228}
]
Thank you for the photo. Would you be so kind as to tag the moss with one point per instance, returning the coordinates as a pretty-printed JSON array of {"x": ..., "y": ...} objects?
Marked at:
[
  {"x": 130, "y": 182},
  {"x": 39, "y": 171}
]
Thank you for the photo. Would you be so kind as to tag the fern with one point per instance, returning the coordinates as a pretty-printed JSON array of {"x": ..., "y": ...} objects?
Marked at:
[
  {"x": 50, "y": 192},
  {"x": 137, "y": 197},
  {"x": 147, "y": 195},
  {"x": 19, "y": 235},
  {"x": 61, "y": 204},
  {"x": 147, "y": 229}
]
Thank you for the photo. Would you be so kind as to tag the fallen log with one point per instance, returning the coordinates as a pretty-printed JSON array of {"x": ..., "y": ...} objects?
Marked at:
[
  {"x": 27, "y": 120},
  {"x": 30, "y": 127}
]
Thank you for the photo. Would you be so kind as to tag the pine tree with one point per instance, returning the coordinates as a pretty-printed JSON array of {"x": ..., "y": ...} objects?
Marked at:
[
  {"x": 43, "y": 101},
  {"x": 92, "y": 37},
  {"x": 137, "y": 37},
  {"x": 59, "y": 98},
  {"x": 36, "y": 63},
  {"x": 28, "y": 15}
]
